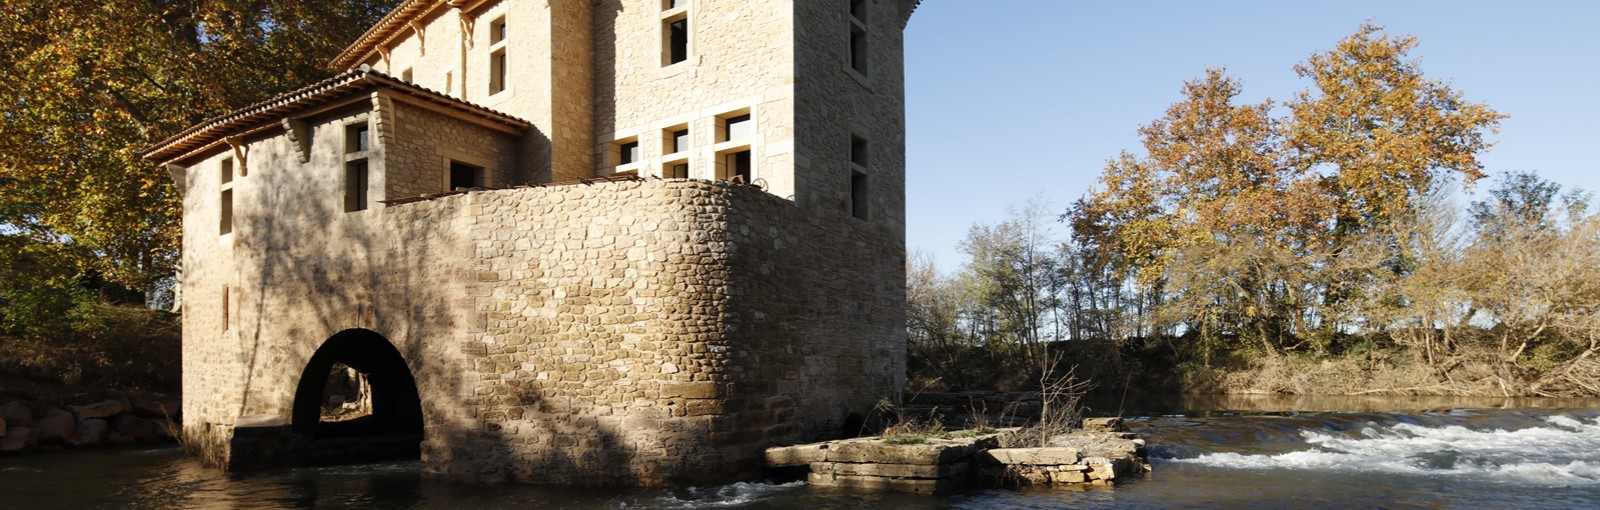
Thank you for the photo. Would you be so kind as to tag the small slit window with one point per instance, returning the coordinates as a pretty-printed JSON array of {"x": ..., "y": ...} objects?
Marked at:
[
  {"x": 497, "y": 31},
  {"x": 497, "y": 71},
  {"x": 355, "y": 186},
  {"x": 357, "y": 138},
  {"x": 627, "y": 152},
  {"x": 225, "y": 223},
  {"x": 859, "y": 200}
]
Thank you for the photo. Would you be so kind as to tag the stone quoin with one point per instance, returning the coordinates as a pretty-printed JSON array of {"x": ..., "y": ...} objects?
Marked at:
[{"x": 589, "y": 242}]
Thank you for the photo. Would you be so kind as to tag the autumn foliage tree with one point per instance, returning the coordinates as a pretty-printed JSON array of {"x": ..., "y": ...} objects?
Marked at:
[
  {"x": 1240, "y": 217},
  {"x": 85, "y": 84}
]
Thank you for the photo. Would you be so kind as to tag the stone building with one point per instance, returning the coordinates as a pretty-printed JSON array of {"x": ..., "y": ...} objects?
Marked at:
[{"x": 566, "y": 241}]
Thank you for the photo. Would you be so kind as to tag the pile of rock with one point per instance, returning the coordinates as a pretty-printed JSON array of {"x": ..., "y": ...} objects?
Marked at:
[
  {"x": 28, "y": 426},
  {"x": 1099, "y": 453},
  {"x": 936, "y": 465},
  {"x": 1102, "y": 452}
]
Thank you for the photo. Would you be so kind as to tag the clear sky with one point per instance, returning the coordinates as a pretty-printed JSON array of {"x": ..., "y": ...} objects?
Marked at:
[{"x": 1009, "y": 100}]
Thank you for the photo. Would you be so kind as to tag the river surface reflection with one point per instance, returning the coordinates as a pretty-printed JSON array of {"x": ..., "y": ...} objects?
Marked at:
[{"x": 1210, "y": 452}]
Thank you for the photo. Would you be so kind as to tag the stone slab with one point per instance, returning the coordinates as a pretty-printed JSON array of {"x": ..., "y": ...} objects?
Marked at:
[
  {"x": 1030, "y": 456},
  {"x": 892, "y": 470},
  {"x": 797, "y": 455},
  {"x": 920, "y": 454}
]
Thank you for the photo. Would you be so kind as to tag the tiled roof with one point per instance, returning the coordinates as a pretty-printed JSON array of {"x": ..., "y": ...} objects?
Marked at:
[
  {"x": 397, "y": 19},
  {"x": 337, "y": 87}
]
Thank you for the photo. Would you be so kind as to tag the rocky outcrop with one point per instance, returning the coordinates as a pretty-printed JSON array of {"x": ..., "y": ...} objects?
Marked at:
[
  {"x": 931, "y": 466},
  {"x": 29, "y": 426},
  {"x": 1084, "y": 457}
]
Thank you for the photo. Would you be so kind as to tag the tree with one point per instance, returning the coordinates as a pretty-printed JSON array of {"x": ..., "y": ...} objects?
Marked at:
[
  {"x": 85, "y": 84},
  {"x": 1239, "y": 219}
]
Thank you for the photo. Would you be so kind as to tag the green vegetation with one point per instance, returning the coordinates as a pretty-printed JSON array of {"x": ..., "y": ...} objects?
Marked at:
[{"x": 1304, "y": 247}]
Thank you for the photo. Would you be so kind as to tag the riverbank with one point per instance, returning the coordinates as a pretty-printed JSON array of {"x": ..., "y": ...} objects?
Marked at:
[{"x": 38, "y": 417}]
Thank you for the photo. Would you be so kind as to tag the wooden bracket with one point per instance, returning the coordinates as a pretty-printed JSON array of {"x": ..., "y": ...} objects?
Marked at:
[{"x": 241, "y": 153}]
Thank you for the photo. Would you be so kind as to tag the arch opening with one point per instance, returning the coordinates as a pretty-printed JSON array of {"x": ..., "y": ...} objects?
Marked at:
[{"x": 385, "y": 420}]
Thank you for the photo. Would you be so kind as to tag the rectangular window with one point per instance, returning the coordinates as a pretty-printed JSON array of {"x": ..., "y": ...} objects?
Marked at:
[
  {"x": 627, "y": 152},
  {"x": 497, "y": 30},
  {"x": 225, "y": 225},
  {"x": 858, "y": 50},
  {"x": 677, "y": 140},
  {"x": 227, "y": 170},
  {"x": 227, "y": 308},
  {"x": 676, "y": 171},
  {"x": 463, "y": 176},
  {"x": 405, "y": 75},
  {"x": 449, "y": 82},
  {"x": 736, "y": 166},
  {"x": 355, "y": 186},
  {"x": 357, "y": 137},
  {"x": 858, "y": 151},
  {"x": 858, "y": 195},
  {"x": 737, "y": 127},
  {"x": 497, "y": 71},
  {"x": 677, "y": 39},
  {"x": 673, "y": 4}
]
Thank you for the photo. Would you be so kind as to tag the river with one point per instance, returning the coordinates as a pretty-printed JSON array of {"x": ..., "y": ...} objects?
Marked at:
[{"x": 1210, "y": 452}]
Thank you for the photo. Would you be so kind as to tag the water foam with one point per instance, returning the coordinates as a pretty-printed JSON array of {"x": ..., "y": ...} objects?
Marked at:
[
  {"x": 1562, "y": 451},
  {"x": 721, "y": 496}
]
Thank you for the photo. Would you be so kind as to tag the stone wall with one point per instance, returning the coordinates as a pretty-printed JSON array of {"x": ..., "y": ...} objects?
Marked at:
[{"x": 624, "y": 333}]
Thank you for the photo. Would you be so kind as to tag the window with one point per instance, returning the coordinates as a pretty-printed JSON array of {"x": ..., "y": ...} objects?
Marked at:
[
  {"x": 497, "y": 71},
  {"x": 735, "y": 166},
  {"x": 225, "y": 204},
  {"x": 357, "y": 137},
  {"x": 464, "y": 176},
  {"x": 736, "y": 126},
  {"x": 676, "y": 139},
  {"x": 449, "y": 80},
  {"x": 858, "y": 36},
  {"x": 674, "y": 32},
  {"x": 225, "y": 225},
  {"x": 355, "y": 186},
  {"x": 858, "y": 195},
  {"x": 498, "y": 67},
  {"x": 628, "y": 152},
  {"x": 227, "y": 316},
  {"x": 405, "y": 75},
  {"x": 675, "y": 171},
  {"x": 858, "y": 151},
  {"x": 497, "y": 31}
]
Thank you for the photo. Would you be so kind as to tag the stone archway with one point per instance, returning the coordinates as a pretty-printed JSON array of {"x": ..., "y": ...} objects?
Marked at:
[{"x": 393, "y": 430}]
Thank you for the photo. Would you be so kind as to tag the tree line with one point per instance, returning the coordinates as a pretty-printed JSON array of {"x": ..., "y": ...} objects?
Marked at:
[
  {"x": 1250, "y": 236},
  {"x": 85, "y": 225}
]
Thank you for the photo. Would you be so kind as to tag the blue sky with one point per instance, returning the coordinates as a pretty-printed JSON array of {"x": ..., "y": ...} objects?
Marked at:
[{"x": 1010, "y": 100}]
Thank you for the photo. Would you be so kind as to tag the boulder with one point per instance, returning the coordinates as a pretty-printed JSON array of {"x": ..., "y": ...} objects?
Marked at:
[
  {"x": 91, "y": 432},
  {"x": 17, "y": 439},
  {"x": 57, "y": 425},
  {"x": 162, "y": 428},
  {"x": 104, "y": 409},
  {"x": 133, "y": 427},
  {"x": 16, "y": 414}
]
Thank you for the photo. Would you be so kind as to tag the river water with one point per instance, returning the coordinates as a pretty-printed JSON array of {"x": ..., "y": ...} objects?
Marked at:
[{"x": 1216, "y": 452}]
